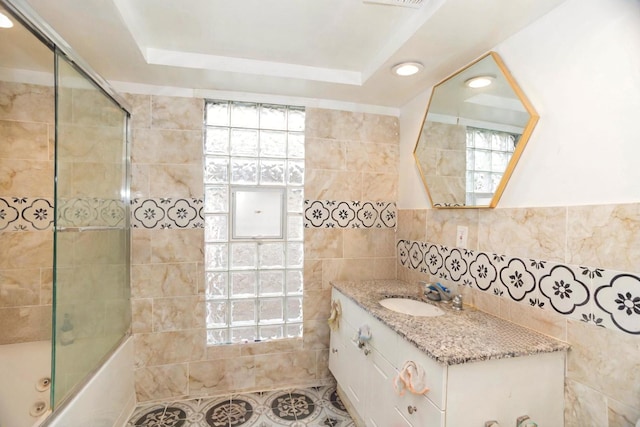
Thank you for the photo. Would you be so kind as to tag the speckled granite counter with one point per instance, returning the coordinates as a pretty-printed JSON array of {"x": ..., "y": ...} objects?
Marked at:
[{"x": 455, "y": 337}]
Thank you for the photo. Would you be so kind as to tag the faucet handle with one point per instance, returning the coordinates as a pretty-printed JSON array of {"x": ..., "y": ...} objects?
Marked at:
[{"x": 457, "y": 302}]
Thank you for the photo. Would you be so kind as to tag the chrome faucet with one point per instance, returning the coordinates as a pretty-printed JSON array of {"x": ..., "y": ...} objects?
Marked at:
[{"x": 435, "y": 292}]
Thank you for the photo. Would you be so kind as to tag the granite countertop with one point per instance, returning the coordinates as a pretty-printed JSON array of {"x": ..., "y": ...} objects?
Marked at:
[{"x": 455, "y": 337}]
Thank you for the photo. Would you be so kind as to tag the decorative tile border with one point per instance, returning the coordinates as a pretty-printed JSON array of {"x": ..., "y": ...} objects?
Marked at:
[
  {"x": 349, "y": 214},
  {"x": 90, "y": 212},
  {"x": 167, "y": 213},
  {"x": 25, "y": 214},
  {"x": 601, "y": 297}
]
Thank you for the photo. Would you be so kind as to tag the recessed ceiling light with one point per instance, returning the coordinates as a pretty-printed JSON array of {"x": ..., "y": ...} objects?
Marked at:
[
  {"x": 407, "y": 68},
  {"x": 5, "y": 22},
  {"x": 479, "y": 81}
]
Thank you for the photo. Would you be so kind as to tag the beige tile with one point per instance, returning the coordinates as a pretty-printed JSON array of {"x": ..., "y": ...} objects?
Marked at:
[
  {"x": 176, "y": 181},
  {"x": 604, "y": 360},
  {"x": 178, "y": 313},
  {"x": 358, "y": 243},
  {"x": 100, "y": 180},
  {"x": 316, "y": 334},
  {"x": 583, "y": 406},
  {"x": 26, "y": 178},
  {"x": 97, "y": 144},
  {"x": 26, "y": 102},
  {"x": 538, "y": 233},
  {"x": 141, "y": 110},
  {"x": 312, "y": 275},
  {"x": 442, "y": 225},
  {"x": 621, "y": 415},
  {"x": 320, "y": 243},
  {"x": 445, "y": 190},
  {"x": 605, "y": 236},
  {"x": 169, "y": 382},
  {"x": 284, "y": 368},
  {"x": 380, "y": 128},
  {"x": 543, "y": 321},
  {"x": 412, "y": 224},
  {"x": 46, "y": 286},
  {"x": 140, "y": 246},
  {"x": 333, "y": 124},
  {"x": 99, "y": 247},
  {"x": 172, "y": 246},
  {"x": 140, "y": 181},
  {"x": 324, "y": 154},
  {"x": 271, "y": 347},
  {"x": 176, "y": 113},
  {"x": 91, "y": 107},
  {"x": 163, "y": 280},
  {"x": 230, "y": 351},
  {"x": 322, "y": 369},
  {"x": 19, "y": 287},
  {"x": 141, "y": 315},
  {"x": 169, "y": 347},
  {"x": 213, "y": 377},
  {"x": 379, "y": 186},
  {"x": 316, "y": 304},
  {"x": 24, "y": 140},
  {"x": 486, "y": 302},
  {"x": 333, "y": 185},
  {"x": 384, "y": 268},
  {"x": 26, "y": 249},
  {"x": 346, "y": 269},
  {"x": 160, "y": 146},
  {"x": 24, "y": 324},
  {"x": 368, "y": 157}
]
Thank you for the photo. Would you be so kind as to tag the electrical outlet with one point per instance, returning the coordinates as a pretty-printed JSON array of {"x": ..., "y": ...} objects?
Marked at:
[{"x": 461, "y": 236}]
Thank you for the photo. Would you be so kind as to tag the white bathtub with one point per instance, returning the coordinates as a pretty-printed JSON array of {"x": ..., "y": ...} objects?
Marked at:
[{"x": 21, "y": 368}]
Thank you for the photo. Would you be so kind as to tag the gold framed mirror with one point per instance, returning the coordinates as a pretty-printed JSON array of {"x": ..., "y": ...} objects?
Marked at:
[{"x": 476, "y": 126}]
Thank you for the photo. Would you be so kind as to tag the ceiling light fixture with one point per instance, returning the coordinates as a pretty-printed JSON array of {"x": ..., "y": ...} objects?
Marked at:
[
  {"x": 5, "y": 22},
  {"x": 479, "y": 81},
  {"x": 407, "y": 68}
]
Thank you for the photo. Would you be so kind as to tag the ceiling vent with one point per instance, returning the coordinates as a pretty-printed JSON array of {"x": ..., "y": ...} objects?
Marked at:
[{"x": 404, "y": 3}]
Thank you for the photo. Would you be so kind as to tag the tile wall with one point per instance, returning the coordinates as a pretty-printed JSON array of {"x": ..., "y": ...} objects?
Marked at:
[
  {"x": 568, "y": 272},
  {"x": 26, "y": 213},
  {"x": 350, "y": 157}
]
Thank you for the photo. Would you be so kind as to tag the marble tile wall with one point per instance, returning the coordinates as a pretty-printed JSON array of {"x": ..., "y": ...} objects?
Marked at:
[
  {"x": 521, "y": 264},
  {"x": 26, "y": 194},
  {"x": 349, "y": 157}
]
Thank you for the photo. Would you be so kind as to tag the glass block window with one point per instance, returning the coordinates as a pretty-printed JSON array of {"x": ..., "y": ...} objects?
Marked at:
[
  {"x": 253, "y": 286},
  {"x": 488, "y": 154}
]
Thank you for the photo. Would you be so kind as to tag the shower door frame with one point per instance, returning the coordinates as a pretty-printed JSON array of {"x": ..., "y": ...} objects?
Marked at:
[{"x": 26, "y": 15}]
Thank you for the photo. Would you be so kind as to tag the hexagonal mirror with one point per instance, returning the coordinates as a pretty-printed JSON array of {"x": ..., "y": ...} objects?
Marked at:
[{"x": 477, "y": 124}]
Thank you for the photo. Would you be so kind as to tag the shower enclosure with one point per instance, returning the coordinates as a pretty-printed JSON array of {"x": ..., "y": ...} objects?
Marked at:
[{"x": 64, "y": 220}]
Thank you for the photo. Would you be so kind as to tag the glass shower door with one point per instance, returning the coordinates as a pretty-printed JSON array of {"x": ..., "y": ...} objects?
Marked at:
[{"x": 91, "y": 242}]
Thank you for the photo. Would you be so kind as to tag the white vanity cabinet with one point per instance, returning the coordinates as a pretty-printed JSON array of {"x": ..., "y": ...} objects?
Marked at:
[{"x": 461, "y": 395}]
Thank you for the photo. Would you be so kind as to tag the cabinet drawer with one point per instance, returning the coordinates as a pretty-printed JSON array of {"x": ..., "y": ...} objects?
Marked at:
[
  {"x": 436, "y": 374},
  {"x": 419, "y": 411}
]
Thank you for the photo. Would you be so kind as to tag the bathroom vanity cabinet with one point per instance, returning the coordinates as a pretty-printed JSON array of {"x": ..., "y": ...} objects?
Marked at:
[{"x": 461, "y": 394}]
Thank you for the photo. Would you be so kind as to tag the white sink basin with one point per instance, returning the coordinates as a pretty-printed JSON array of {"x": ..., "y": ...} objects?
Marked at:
[{"x": 411, "y": 307}]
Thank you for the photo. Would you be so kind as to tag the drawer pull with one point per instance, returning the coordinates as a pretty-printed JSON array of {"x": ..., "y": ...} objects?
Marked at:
[{"x": 412, "y": 409}]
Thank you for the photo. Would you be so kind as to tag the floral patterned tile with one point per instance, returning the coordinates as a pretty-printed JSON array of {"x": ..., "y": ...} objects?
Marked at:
[
  {"x": 565, "y": 290},
  {"x": 315, "y": 406},
  {"x": 349, "y": 214},
  {"x": 617, "y": 300}
]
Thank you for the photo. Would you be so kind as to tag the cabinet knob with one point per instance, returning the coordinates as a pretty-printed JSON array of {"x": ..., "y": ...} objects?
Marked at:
[
  {"x": 366, "y": 351},
  {"x": 334, "y": 350},
  {"x": 412, "y": 409}
]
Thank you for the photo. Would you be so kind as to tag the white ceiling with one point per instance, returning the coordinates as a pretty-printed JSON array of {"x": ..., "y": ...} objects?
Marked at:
[{"x": 323, "y": 49}]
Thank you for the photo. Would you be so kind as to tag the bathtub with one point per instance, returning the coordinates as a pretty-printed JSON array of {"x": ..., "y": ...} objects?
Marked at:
[{"x": 23, "y": 368}]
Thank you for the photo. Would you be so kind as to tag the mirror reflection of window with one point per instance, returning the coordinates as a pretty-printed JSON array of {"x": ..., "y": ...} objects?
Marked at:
[
  {"x": 488, "y": 154},
  {"x": 472, "y": 135}
]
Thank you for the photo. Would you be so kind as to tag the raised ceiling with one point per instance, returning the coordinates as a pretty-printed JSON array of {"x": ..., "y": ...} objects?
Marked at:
[{"x": 324, "y": 49}]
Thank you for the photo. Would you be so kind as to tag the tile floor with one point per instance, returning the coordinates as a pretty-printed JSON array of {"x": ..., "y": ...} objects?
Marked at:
[{"x": 315, "y": 406}]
